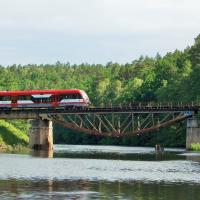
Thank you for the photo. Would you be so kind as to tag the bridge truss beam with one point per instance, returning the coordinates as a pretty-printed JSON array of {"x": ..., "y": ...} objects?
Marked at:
[{"x": 118, "y": 124}]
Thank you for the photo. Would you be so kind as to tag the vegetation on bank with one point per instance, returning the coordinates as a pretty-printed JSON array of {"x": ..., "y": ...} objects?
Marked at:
[
  {"x": 174, "y": 77},
  {"x": 11, "y": 138},
  {"x": 195, "y": 147}
]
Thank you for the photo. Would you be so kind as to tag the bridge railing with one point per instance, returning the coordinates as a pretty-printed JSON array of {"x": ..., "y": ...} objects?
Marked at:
[{"x": 151, "y": 105}]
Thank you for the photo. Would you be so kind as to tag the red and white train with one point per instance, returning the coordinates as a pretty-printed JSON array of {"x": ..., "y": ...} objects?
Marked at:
[{"x": 44, "y": 99}]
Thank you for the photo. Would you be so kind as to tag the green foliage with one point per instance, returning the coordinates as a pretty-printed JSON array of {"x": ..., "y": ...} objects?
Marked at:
[
  {"x": 174, "y": 77},
  {"x": 10, "y": 135},
  {"x": 195, "y": 147},
  {"x": 1, "y": 141},
  {"x": 194, "y": 52},
  {"x": 22, "y": 125}
]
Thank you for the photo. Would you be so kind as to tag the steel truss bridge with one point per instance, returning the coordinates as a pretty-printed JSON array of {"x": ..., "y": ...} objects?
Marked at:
[{"x": 110, "y": 121}]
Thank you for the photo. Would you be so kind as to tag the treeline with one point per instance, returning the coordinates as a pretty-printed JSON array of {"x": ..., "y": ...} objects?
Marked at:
[{"x": 174, "y": 77}]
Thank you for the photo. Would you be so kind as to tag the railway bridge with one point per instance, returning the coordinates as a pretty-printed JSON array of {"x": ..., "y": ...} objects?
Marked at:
[{"x": 112, "y": 121}]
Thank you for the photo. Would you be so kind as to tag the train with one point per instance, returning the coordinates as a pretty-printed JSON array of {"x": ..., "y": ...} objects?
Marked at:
[{"x": 68, "y": 98}]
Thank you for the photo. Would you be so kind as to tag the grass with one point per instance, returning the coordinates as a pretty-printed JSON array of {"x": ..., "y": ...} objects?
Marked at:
[
  {"x": 17, "y": 149},
  {"x": 10, "y": 135},
  {"x": 12, "y": 139},
  {"x": 195, "y": 147}
]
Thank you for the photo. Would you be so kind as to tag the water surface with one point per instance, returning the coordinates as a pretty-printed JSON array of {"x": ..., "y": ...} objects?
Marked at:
[{"x": 101, "y": 172}]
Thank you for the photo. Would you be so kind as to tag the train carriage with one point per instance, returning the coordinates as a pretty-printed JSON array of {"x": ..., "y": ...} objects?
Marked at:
[{"x": 44, "y": 99}]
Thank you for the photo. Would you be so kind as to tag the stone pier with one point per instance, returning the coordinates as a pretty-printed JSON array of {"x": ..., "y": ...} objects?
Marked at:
[
  {"x": 41, "y": 135},
  {"x": 193, "y": 132}
]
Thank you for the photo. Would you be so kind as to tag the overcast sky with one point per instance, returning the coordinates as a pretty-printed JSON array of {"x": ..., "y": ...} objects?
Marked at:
[{"x": 94, "y": 31}]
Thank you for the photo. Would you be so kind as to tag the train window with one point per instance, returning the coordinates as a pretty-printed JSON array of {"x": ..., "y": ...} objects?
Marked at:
[
  {"x": 24, "y": 97},
  {"x": 5, "y": 98},
  {"x": 47, "y": 100},
  {"x": 69, "y": 96},
  {"x": 74, "y": 96},
  {"x": 61, "y": 97},
  {"x": 78, "y": 96},
  {"x": 42, "y": 100}
]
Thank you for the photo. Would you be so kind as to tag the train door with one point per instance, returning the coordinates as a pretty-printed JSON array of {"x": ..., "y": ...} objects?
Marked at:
[
  {"x": 13, "y": 101},
  {"x": 55, "y": 102}
]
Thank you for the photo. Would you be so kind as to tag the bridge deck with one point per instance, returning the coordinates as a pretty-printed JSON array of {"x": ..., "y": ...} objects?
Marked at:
[
  {"x": 106, "y": 109},
  {"x": 35, "y": 113}
]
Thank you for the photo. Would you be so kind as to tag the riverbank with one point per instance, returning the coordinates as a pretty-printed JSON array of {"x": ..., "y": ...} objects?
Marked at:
[
  {"x": 12, "y": 139},
  {"x": 14, "y": 149}
]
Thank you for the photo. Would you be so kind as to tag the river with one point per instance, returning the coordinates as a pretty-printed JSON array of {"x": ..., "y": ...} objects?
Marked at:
[{"x": 101, "y": 172}]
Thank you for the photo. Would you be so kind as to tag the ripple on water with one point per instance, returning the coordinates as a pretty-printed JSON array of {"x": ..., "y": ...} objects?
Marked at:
[{"x": 27, "y": 167}]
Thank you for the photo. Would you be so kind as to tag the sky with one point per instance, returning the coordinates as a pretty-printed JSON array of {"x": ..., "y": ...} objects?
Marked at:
[{"x": 94, "y": 31}]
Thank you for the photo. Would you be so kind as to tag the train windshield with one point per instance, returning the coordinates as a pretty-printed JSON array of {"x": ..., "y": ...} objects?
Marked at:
[{"x": 85, "y": 96}]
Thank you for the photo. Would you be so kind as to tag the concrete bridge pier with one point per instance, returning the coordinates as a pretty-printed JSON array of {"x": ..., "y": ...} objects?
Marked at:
[
  {"x": 193, "y": 132},
  {"x": 41, "y": 135}
]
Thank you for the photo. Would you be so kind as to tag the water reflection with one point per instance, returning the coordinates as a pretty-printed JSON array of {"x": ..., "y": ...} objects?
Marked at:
[
  {"x": 116, "y": 153},
  {"x": 117, "y": 156},
  {"x": 109, "y": 153},
  {"x": 42, "y": 154},
  {"x": 81, "y": 189}
]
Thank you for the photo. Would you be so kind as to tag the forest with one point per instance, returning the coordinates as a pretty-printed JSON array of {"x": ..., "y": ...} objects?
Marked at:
[{"x": 174, "y": 77}]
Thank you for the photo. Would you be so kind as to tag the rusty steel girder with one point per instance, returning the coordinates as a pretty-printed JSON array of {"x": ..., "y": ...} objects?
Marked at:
[{"x": 118, "y": 124}]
